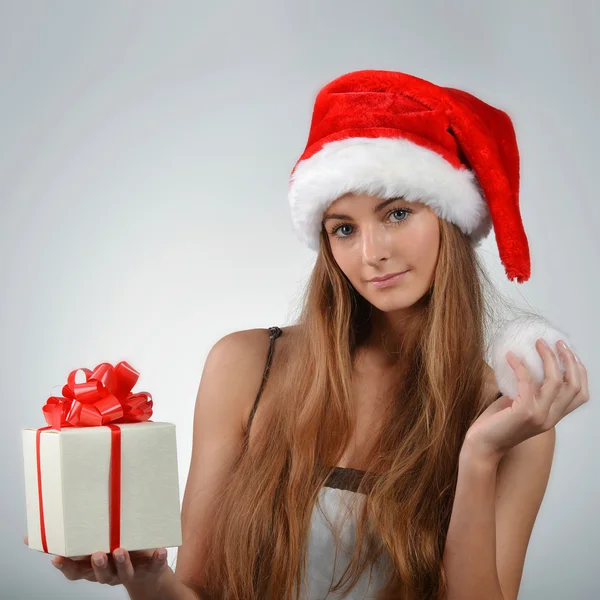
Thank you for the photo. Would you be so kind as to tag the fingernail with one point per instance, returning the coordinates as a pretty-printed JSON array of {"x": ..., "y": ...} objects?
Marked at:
[
  {"x": 58, "y": 565},
  {"x": 99, "y": 561},
  {"x": 545, "y": 343},
  {"x": 161, "y": 555},
  {"x": 119, "y": 556}
]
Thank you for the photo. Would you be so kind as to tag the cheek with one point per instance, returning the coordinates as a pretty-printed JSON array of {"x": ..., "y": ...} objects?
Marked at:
[
  {"x": 344, "y": 263},
  {"x": 351, "y": 270},
  {"x": 349, "y": 264},
  {"x": 424, "y": 245}
]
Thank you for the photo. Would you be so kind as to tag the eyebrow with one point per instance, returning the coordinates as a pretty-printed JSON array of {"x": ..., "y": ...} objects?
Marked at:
[{"x": 376, "y": 209}]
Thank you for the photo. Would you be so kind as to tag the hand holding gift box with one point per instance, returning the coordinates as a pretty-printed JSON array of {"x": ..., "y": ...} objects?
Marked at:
[{"x": 101, "y": 475}]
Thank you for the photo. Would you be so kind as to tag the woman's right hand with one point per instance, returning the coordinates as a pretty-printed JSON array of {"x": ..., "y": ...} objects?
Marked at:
[{"x": 143, "y": 567}]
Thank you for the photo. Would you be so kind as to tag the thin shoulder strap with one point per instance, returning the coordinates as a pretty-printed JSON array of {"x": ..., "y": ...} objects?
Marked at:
[{"x": 274, "y": 333}]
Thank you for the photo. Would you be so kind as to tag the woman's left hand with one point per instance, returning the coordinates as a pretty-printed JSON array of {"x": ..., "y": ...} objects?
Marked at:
[{"x": 508, "y": 422}]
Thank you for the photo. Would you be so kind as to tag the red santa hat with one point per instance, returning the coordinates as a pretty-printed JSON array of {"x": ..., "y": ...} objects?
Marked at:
[
  {"x": 395, "y": 135},
  {"x": 391, "y": 135}
]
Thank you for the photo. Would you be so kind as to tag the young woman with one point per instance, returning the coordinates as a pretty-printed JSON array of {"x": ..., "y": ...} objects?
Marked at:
[{"x": 383, "y": 458}]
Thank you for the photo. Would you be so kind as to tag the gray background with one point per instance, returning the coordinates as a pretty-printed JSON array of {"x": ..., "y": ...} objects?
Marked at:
[{"x": 144, "y": 160}]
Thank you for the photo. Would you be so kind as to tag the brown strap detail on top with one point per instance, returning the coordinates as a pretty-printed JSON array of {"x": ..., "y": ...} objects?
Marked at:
[
  {"x": 274, "y": 333},
  {"x": 346, "y": 478}
]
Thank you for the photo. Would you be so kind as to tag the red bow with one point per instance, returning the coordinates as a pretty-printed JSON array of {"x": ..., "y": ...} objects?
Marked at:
[{"x": 104, "y": 397}]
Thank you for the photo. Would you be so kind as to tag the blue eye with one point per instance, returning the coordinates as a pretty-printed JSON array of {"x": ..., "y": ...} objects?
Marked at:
[{"x": 406, "y": 211}]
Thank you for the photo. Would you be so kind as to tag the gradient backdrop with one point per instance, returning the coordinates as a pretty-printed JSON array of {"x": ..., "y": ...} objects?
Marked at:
[{"x": 145, "y": 150}]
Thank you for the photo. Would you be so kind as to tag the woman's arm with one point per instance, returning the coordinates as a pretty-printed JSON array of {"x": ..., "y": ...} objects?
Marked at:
[
  {"x": 470, "y": 550},
  {"x": 494, "y": 512}
]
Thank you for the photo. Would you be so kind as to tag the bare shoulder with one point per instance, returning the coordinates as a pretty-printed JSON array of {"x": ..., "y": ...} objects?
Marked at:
[
  {"x": 240, "y": 358},
  {"x": 247, "y": 346},
  {"x": 247, "y": 339}
]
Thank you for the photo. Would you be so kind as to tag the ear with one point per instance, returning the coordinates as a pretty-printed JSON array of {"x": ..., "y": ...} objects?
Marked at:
[{"x": 519, "y": 336}]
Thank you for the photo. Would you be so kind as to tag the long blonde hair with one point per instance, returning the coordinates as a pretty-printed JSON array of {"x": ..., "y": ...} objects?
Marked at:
[{"x": 259, "y": 537}]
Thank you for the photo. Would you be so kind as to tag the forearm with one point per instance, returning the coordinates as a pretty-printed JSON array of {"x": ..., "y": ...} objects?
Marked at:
[
  {"x": 168, "y": 587},
  {"x": 470, "y": 550}
]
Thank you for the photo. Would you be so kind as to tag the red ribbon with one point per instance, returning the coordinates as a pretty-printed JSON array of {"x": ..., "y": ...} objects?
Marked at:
[{"x": 103, "y": 399}]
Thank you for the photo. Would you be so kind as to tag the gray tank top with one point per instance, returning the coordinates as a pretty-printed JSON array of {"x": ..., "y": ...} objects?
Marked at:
[{"x": 332, "y": 513}]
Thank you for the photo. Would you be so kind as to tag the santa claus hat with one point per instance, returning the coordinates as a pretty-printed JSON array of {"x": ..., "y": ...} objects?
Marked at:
[
  {"x": 391, "y": 134},
  {"x": 395, "y": 135}
]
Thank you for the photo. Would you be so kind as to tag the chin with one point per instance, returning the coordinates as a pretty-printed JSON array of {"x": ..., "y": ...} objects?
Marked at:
[{"x": 392, "y": 302}]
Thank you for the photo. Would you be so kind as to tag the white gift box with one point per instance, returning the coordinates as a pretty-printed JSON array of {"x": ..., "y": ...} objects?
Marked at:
[{"x": 75, "y": 465}]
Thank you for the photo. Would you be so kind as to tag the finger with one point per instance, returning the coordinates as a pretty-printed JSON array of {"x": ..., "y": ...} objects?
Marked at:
[
  {"x": 525, "y": 383},
  {"x": 568, "y": 395},
  {"x": 123, "y": 565},
  {"x": 159, "y": 560},
  {"x": 584, "y": 394},
  {"x": 102, "y": 569},
  {"x": 141, "y": 558},
  {"x": 572, "y": 385},
  {"x": 71, "y": 569},
  {"x": 553, "y": 377},
  {"x": 552, "y": 371},
  {"x": 26, "y": 540},
  {"x": 584, "y": 377}
]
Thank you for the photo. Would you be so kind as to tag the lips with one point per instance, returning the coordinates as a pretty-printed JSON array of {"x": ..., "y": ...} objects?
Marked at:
[{"x": 386, "y": 277}]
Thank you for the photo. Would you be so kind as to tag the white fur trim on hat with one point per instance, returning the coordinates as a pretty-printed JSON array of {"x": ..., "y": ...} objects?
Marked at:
[
  {"x": 388, "y": 168},
  {"x": 519, "y": 336}
]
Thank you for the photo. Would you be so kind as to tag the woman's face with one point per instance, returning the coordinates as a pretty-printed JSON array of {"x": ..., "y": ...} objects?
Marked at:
[{"x": 371, "y": 237}]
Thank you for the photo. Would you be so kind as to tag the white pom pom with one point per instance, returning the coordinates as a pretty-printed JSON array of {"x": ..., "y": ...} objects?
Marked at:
[{"x": 519, "y": 336}]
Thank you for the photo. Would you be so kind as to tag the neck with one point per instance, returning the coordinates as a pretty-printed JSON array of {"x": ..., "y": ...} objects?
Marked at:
[{"x": 387, "y": 332}]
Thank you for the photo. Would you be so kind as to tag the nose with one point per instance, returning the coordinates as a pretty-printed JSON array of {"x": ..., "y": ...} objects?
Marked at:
[{"x": 376, "y": 244}]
